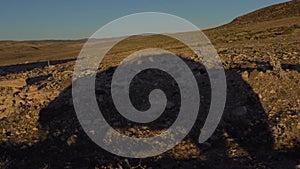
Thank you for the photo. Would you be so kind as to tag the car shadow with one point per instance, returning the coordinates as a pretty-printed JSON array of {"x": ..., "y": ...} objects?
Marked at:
[{"x": 244, "y": 126}]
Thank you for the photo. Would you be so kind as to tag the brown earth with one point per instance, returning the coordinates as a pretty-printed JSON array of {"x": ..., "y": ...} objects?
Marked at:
[{"x": 261, "y": 123}]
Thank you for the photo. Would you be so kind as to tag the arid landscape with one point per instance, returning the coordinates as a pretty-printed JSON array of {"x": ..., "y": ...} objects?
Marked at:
[{"x": 260, "y": 127}]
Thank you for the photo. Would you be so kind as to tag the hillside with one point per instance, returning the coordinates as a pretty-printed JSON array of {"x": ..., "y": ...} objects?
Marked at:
[
  {"x": 260, "y": 127},
  {"x": 271, "y": 13},
  {"x": 274, "y": 22}
]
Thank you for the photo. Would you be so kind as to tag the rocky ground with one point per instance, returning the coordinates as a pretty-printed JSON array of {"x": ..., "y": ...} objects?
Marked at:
[{"x": 260, "y": 127}]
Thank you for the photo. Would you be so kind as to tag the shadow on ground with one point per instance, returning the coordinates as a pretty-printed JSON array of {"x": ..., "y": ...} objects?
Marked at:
[
  {"x": 4, "y": 70},
  {"x": 242, "y": 140}
]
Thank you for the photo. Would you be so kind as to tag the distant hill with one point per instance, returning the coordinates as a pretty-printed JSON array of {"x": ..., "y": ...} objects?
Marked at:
[
  {"x": 271, "y": 23},
  {"x": 276, "y": 23},
  {"x": 274, "y": 12}
]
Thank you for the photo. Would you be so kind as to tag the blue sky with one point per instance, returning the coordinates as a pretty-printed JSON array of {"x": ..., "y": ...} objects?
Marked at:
[{"x": 76, "y": 19}]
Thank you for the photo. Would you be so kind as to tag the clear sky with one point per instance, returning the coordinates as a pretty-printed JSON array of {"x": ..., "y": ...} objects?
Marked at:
[{"x": 76, "y": 19}]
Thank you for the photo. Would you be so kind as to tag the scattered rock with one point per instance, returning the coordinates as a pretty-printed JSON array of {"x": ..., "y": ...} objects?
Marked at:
[
  {"x": 4, "y": 114},
  {"x": 240, "y": 111},
  {"x": 23, "y": 147},
  {"x": 33, "y": 88},
  {"x": 72, "y": 140},
  {"x": 245, "y": 75},
  {"x": 2, "y": 107},
  {"x": 16, "y": 83}
]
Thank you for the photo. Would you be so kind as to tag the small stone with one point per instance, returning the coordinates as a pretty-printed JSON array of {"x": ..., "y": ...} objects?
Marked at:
[
  {"x": 27, "y": 116},
  {"x": 240, "y": 111},
  {"x": 205, "y": 146},
  {"x": 92, "y": 132},
  {"x": 245, "y": 75},
  {"x": 33, "y": 88},
  {"x": 260, "y": 74},
  {"x": 2, "y": 107},
  {"x": 4, "y": 114},
  {"x": 35, "y": 129},
  {"x": 23, "y": 147},
  {"x": 72, "y": 140},
  {"x": 170, "y": 105}
]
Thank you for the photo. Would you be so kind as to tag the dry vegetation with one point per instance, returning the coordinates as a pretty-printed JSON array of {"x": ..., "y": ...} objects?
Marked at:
[{"x": 261, "y": 124}]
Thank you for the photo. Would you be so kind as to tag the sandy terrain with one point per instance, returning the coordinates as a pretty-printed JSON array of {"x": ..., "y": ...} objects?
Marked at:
[{"x": 260, "y": 127}]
